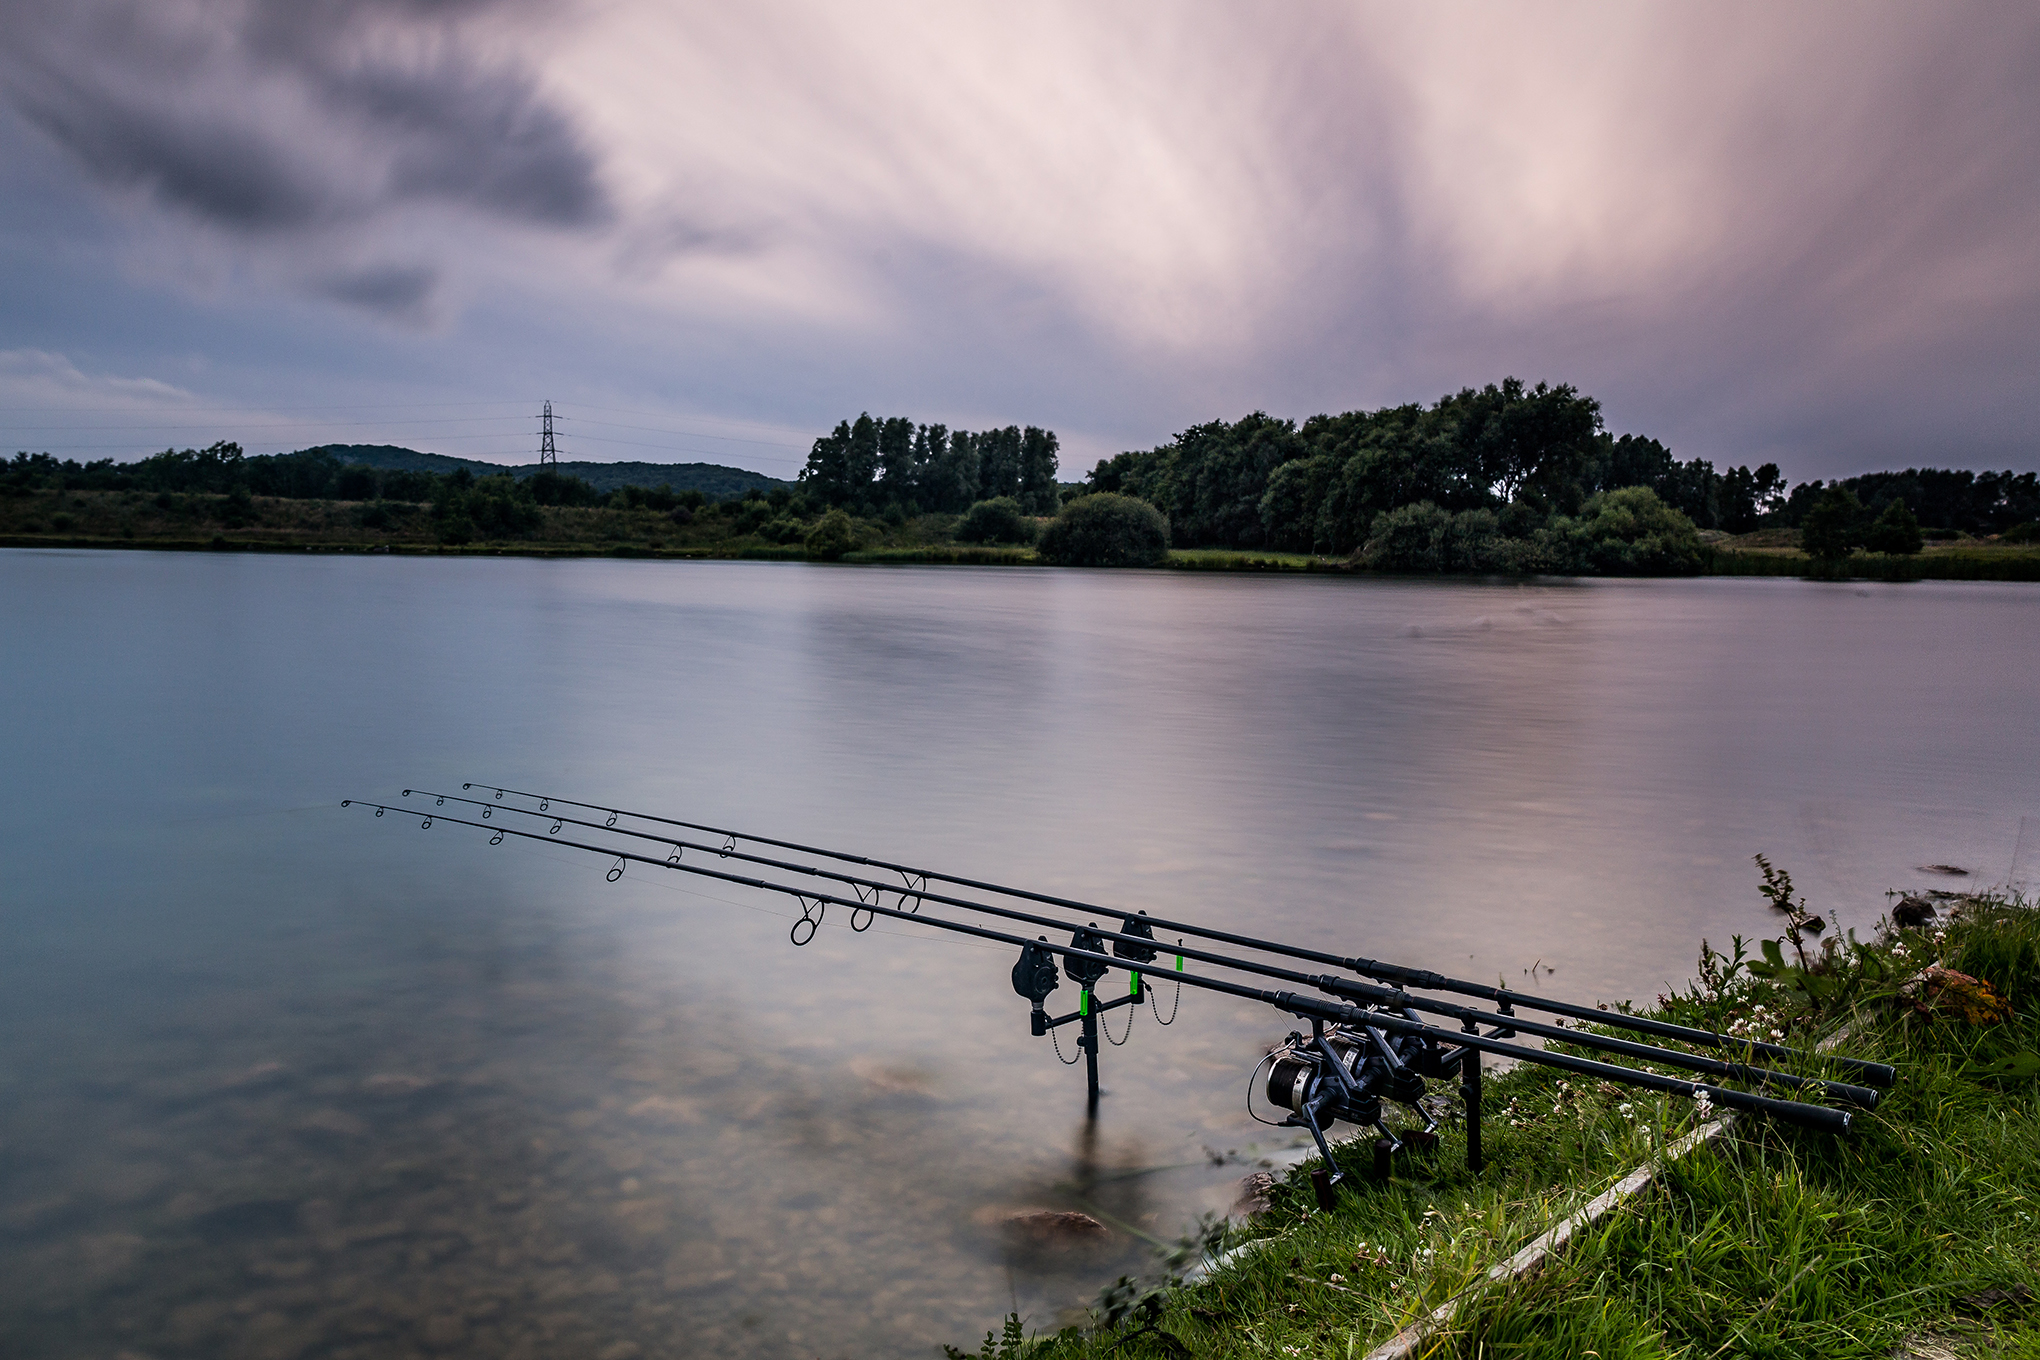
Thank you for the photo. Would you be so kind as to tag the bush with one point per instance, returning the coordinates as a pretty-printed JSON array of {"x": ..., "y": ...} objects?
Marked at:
[
  {"x": 753, "y": 515},
  {"x": 1422, "y": 538},
  {"x": 832, "y": 536},
  {"x": 1632, "y": 532},
  {"x": 237, "y": 508},
  {"x": 998, "y": 520},
  {"x": 1833, "y": 527},
  {"x": 1897, "y": 530},
  {"x": 550, "y": 487},
  {"x": 781, "y": 530},
  {"x": 2021, "y": 533},
  {"x": 1107, "y": 530}
]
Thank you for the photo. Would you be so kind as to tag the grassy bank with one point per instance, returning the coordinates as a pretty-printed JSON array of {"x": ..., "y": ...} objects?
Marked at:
[
  {"x": 1969, "y": 563},
  {"x": 758, "y": 531},
  {"x": 1919, "y": 1230}
]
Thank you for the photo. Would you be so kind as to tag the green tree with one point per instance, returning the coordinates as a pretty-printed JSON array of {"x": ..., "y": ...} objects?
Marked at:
[
  {"x": 1833, "y": 526},
  {"x": 832, "y": 536},
  {"x": 1039, "y": 494},
  {"x": 1896, "y": 530},
  {"x": 1528, "y": 441},
  {"x": 952, "y": 481},
  {"x": 1408, "y": 538},
  {"x": 861, "y": 461},
  {"x": 1632, "y": 532},
  {"x": 548, "y": 486},
  {"x": 999, "y": 520},
  {"x": 827, "y": 474},
  {"x": 1106, "y": 529},
  {"x": 998, "y": 463},
  {"x": 896, "y": 460}
]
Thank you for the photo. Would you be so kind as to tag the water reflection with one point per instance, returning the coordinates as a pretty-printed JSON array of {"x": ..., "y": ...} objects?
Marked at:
[{"x": 277, "y": 1081}]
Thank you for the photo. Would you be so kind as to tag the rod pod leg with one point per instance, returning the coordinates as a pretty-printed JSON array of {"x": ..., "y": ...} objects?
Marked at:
[
  {"x": 1469, "y": 1090},
  {"x": 1089, "y": 1040}
]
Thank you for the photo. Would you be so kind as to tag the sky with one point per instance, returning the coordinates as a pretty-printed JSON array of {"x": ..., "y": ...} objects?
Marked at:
[{"x": 1799, "y": 234}]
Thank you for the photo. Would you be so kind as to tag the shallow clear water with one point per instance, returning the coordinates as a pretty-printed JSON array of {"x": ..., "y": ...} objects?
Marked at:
[{"x": 278, "y": 1079}]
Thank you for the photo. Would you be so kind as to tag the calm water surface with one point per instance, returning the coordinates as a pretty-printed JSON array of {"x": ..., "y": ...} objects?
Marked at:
[{"x": 280, "y": 1080}]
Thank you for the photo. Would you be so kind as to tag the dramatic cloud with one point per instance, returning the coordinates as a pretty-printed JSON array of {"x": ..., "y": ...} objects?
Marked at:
[
  {"x": 275, "y": 115},
  {"x": 1799, "y": 233}
]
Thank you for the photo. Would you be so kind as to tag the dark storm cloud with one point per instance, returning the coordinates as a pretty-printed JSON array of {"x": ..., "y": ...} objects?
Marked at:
[
  {"x": 398, "y": 291},
  {"x": 275, "y": 116},
  {"x": 223, "y": 172}
]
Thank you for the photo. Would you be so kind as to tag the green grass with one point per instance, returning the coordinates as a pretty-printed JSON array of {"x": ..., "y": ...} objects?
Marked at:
[
  {"x": 1769, "y": 1241},
  {"x": 1228, "y": 559},
  {"x": 1934, "y": 564}
]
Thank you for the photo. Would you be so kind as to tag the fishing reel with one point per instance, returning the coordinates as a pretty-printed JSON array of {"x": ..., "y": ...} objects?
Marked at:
[{"x": 1344, "y": 1072}]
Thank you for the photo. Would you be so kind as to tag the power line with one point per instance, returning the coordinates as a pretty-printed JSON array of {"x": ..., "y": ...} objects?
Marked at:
[
  {"x": 692, "y": 434},
  {"x": 283, "y": 425},
  {"x": 263, "y": 410}
]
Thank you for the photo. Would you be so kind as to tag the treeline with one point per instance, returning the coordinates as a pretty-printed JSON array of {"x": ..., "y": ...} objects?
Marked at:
[
  {"x": 1939, "y": 498},
  {"x": 871, "y": 465},
  {"x": 1522, "y": 454},
  {"x": 463, "y": 507},
  {"x": 312, "y": 474},
  {"x": 1516, "y": 459}
]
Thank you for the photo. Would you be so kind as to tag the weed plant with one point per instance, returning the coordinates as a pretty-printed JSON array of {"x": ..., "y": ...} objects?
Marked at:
[{"x": 1918, "y": 1233}]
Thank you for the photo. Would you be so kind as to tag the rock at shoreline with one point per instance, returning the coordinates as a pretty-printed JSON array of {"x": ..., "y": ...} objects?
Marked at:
[{"x": 1912, "y": 912}]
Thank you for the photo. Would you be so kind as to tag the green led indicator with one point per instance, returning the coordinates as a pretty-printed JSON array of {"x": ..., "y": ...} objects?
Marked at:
[
  {"x": 1133, "y": 984},
  {"x": 1084, "y": 1002}
]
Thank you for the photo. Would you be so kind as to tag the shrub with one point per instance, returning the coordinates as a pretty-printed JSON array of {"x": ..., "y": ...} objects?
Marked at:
[
  {"x": 1897, "y": 530},
  {"x": 1833, "y": 527},
  {"x": 1107, "y": 530},
  {"x": 2021, "y": 533},
  {"x": 781, "y": 530},
  {"x": 753, "y": 515},
  {"x": 1422, "y": 537},
  {"x": 550, "y": 487},
  {"x": 832, "y": 536},
  {"x": 237, "y": 508},
  {"x": 1632, "y": 532},
  {"x": 998, "y": 520}
]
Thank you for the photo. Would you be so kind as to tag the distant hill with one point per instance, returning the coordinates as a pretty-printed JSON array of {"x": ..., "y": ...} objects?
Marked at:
[{"x": 712, "y": 480}]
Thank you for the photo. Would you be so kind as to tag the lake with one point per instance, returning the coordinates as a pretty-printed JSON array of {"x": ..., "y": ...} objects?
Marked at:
[{"x": 280, "y": 1079}]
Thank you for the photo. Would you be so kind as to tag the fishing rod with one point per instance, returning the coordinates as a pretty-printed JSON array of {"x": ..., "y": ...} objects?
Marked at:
[
  {"x": 1505, "y": 1000},
  {"x": 1137, "y": 937},
  {"x": 1354, "y": 1057}
]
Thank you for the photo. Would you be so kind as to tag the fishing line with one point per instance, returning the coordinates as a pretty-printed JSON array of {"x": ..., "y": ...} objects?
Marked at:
[
  {"x": 1878, "y": 1074},
  {"x": 1140, "y": 948},
  {"x": 1348, "y": 1020}
]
